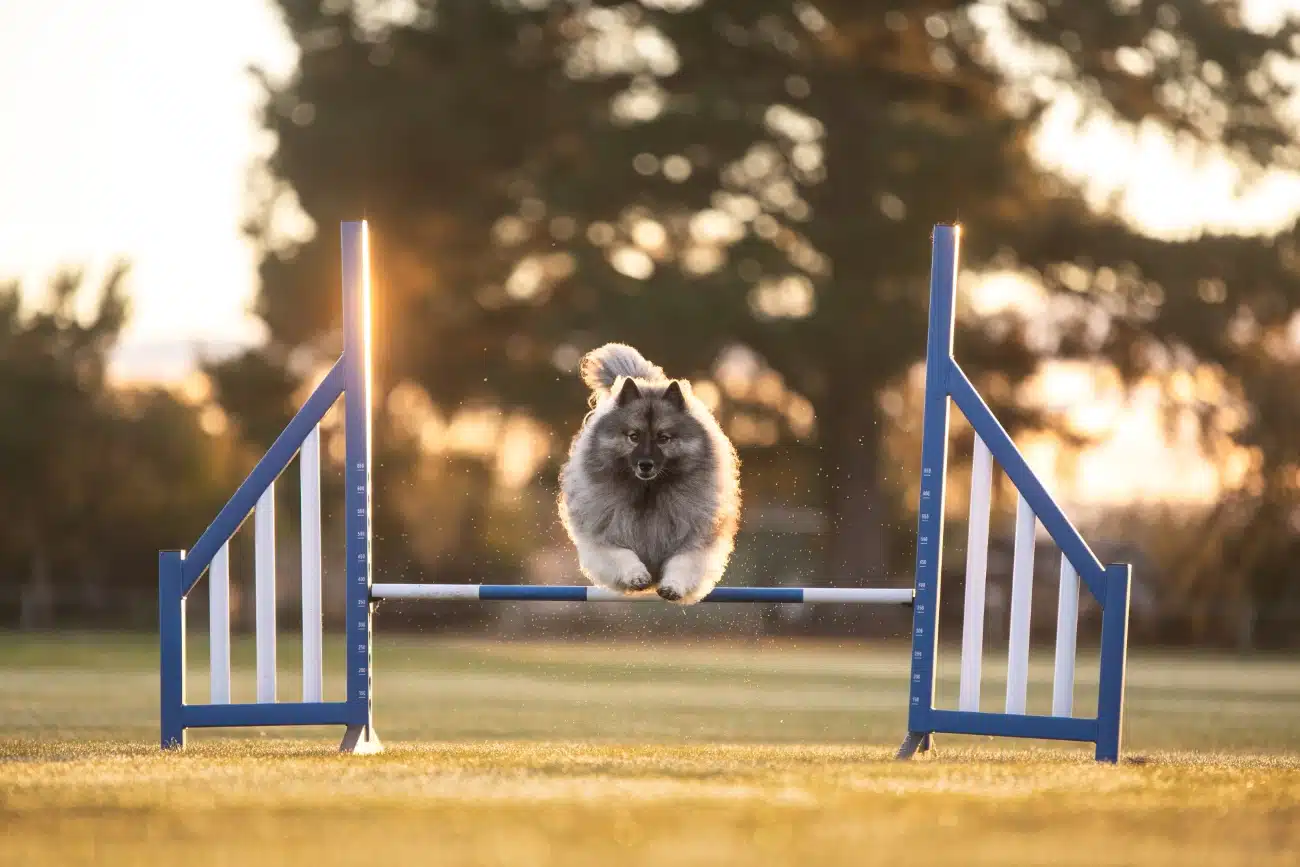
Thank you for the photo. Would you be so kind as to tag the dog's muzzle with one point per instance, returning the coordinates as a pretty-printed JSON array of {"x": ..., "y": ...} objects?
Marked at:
[{"x": 646, "y": 470}]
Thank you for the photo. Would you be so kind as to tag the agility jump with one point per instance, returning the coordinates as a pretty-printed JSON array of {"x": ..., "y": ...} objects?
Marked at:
[{"x": 179, "y": 572}]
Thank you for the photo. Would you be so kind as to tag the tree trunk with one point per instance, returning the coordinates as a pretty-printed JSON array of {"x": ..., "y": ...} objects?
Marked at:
[
  {"x": 1247, "y": 621},
  {"x": 856, "y": 548},
  {"x": 36, "y": 599}
]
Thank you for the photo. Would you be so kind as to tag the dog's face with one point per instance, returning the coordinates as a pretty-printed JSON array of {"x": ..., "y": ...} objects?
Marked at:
[{"x": 649, "y": 433}]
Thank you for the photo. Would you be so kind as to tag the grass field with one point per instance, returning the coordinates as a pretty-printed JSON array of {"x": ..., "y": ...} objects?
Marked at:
[{"x": 588, "y": 754}]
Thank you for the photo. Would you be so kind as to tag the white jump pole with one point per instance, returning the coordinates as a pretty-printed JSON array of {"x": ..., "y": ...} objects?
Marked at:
[
  {"x": 1067, "y": 627},
  {"x": 312, "y": 626},
  {"x": 219, "y": 626},
  {"x": 585, "y": 593},
  {"x": 977, "y": 562},
  {"x": 264, "y": 591},
  {"x": 1022, "y": 579}
]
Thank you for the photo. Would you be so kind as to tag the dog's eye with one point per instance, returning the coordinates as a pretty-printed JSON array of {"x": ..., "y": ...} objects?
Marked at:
[
  {"x": 633, "y": 435},
  {"x": 663, "y": 438}
]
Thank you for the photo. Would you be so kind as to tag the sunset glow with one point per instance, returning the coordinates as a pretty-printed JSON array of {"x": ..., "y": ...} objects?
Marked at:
[{"x": 138, "y": 138}]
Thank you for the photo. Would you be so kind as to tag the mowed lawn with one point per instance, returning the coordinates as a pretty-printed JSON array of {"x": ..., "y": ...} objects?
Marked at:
[{"x": 639, "y": 754}]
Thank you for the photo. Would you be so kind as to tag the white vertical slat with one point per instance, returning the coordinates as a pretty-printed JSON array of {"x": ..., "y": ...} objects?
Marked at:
[
  {"x": 1067, "y": 628},
  {"x": 977, "y": 561},
  {"x": 264, "y": 566},
  {"x": 1022, "y": 579},
  {"x": 312, "y": 629},
  {"x": 219, "y": 626}
]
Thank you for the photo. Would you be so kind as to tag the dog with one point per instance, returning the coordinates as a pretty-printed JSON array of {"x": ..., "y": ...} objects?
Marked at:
[{"x": 650, "y": 492}]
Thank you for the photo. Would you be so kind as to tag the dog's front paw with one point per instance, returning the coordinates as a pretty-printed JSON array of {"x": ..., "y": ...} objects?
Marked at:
[
  {"x": 617, "y": 569},
  {"x": 669, "y": 593},
  {"x": 688, "y": 594},
  {"x": 682, "y": 586},
  {"x": 624, "y": 572},
  {"x": 689, "y": 576},
  {"x": 634, "y": 579}
]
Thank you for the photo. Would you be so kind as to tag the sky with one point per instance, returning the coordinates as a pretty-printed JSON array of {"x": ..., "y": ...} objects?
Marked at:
[{"x": 128, "y": 130}]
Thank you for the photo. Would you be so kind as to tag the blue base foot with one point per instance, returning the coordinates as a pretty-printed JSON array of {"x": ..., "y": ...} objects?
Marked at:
[
  {"x": 361, "y": 741},
  {"x": 916, "y": 742}
]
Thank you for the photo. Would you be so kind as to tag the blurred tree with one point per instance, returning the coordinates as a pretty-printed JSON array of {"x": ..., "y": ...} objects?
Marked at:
[
  {"x": 52, "y": 395},
  {"x": 159, "y": 478},
  {"x": 698, "y": 176},
  {"x": 1231, "y": 575},
  {"x": 97, "y": 480}
]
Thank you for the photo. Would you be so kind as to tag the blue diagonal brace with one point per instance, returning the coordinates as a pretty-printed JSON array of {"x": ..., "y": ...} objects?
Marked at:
[
  {"x": 271, "y": 465},
  {"x": 1004, "y": 451}
]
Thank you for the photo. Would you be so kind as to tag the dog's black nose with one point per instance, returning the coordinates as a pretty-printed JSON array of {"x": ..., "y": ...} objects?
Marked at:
[{"x": 645, "y": 467}]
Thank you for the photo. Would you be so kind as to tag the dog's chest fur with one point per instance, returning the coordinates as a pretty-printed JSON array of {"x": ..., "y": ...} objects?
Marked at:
[
  {"x": 656, "y": 520},
  {"x": 653, "y": 519}
]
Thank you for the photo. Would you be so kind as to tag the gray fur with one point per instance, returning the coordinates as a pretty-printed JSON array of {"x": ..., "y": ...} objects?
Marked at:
[
  {"x": 602, "y": 367},
  {"x": 644, "y": 512}
]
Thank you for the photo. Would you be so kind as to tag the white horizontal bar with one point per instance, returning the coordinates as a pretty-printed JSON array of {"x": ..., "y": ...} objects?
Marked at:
[
  {"x": 555, "y": 593},
  {"x": 977, "y": 565},
  {"x": 859, "y": 595},
  {"x": 450, "y": 592}
]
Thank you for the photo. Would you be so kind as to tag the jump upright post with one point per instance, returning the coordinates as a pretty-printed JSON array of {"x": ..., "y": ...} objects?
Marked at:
[
  {"x": 180, "y": 571},
  {"x": 350, "y": 378},
  {"x": 945, "y": 382}
]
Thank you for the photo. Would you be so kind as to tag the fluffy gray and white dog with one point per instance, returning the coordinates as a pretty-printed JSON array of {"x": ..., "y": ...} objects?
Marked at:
[{"x": 650, "y": 494}]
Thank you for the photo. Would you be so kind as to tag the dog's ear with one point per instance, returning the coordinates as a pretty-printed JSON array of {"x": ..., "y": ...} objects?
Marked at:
[
  {"x": 673, "y": 394},
  {"x": 628, "y": 392}
]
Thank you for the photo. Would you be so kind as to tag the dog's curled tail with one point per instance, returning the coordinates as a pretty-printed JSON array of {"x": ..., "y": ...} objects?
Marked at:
[{"x": 601, "y": 367}]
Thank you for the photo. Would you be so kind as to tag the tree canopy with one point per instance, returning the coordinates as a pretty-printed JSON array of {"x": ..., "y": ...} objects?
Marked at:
[
  {"x": 98, "y": 478},
  {"x": 698, "y": 177}
]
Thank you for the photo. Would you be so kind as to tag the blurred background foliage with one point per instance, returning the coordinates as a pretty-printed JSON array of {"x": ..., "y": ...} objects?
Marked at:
[{"x": 745, "y": 192}]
